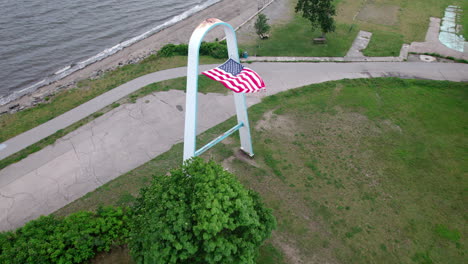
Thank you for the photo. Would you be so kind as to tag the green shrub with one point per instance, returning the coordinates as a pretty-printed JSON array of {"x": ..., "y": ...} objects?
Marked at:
[
  {"x": 167, "y": 51},
  {"x": 199, "y": 214},
  {"x": 73, "y": 239},
  {"x": 217, "y": 50},
  {"x": 181, "y": 49}
]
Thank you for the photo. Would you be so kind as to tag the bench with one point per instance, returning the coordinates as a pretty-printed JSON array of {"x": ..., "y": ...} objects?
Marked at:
[
  {"x": 264, "y": 36},
  {"x": 320, "y": 41}
]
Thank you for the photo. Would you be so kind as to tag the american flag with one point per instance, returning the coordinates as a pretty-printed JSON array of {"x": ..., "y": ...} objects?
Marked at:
[{"x": 236, "y": 77}]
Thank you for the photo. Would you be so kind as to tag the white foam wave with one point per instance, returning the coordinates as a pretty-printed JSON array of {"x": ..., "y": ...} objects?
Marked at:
[
  {"x": 60, "y": 74},
  {"x": 63, "y": 69}
]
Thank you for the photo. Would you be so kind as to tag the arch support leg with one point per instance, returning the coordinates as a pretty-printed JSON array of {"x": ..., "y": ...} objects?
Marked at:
[{"x": 190, "y": 141}]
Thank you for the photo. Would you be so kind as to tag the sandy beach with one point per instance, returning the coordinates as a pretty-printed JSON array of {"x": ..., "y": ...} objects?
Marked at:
[{"x": 234, "y": 12}]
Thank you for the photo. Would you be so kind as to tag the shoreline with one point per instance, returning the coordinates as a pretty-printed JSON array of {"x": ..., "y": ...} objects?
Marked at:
[
  {"x": 234, "y": 12},
  {"x": 102, "y": 54}
]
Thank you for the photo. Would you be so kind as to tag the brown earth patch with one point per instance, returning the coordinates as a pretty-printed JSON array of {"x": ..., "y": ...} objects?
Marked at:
[
  {"x": 238, "y": 155},
  {"x": 278, "y": 13},
  {"x": 379, "y": 14},
  {"x": 289, "y": 250},
  {"x": 279, "y": 123}
]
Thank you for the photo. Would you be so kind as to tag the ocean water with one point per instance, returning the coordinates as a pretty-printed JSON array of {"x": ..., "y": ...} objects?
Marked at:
[{"x": 45, "y": 40}]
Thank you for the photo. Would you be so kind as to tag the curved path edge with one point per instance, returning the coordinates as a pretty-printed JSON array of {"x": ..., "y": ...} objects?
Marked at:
[{"x": 133, "y": 134}]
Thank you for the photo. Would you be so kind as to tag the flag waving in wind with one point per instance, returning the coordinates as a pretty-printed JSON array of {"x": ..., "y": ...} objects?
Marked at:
[{"x": 236, "y": 77}]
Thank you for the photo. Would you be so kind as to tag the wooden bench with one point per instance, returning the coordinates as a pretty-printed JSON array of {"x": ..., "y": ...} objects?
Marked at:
[
  {"x": 320, "y": 41},
  {"x": 264, "y": 36}
]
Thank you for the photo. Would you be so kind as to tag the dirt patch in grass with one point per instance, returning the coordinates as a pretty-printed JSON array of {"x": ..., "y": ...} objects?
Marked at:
[
  {"x": 291, "y": 253},
  {"x": 379, "y": 14},
  {"x": 278, "y": 13},
  {"x": 279, "y": 123}
]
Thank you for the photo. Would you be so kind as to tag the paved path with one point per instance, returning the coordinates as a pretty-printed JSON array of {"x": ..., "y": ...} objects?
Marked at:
[
  {"x": 132, "y": 134},
  {"x": 360, "y": 43},
  {"x": 354, "y": 54},
  {"x": 432, "y": 43},
  {"x": 32, "y": 136}
]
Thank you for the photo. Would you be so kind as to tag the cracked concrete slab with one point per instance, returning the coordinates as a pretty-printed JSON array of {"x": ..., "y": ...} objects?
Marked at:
[
  {"x": 360, "y": 43},
  {"x": 132, "y": 134}
]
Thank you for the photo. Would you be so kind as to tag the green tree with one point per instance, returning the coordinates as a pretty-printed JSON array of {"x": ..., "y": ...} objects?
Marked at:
[
  {"x": 200, "y": 213},
  {"x": 261, "y": 25},
  {"x": 319, "y": 12}
]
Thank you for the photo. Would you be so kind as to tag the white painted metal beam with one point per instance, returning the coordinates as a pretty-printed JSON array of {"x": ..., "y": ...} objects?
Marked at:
[{"x": 191, "y": 104}]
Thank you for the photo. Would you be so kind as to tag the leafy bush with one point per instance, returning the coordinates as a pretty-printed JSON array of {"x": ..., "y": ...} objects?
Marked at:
[
  {"x": 73, "y": 239},
  {"x": 216, "y": 50},
  {"x": 181, "y": 49},
  {"x": 199, "y": 214},
  {"x": 168, "y": 51}
]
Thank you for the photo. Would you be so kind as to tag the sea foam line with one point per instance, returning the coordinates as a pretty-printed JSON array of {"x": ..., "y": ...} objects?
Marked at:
[{"x": 67, "y": 70}]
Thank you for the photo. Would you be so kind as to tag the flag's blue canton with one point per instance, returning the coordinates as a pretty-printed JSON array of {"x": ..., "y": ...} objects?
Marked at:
[{"x": 232, "y": 67}]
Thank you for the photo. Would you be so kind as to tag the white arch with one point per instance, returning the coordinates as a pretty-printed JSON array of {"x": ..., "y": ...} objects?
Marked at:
[{"x": 192, "y": 89}]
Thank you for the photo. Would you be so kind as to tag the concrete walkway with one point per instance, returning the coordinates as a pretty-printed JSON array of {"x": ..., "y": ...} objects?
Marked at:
[
  {"x": 353, "y": 55},
  {"x": 328, "y": 59},
  {"x": 32, "y": 136},
  {"x": 432, "y": 43},
  {"x": 360, "y": 43},
  {"x": 132, "y": 134}
]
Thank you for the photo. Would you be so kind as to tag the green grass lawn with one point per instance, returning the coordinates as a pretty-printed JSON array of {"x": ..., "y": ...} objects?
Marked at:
[
  {"x": 407, "y": 21},
  {"x": 356, "y": 171},
  {"x": 392, "y": 22},
  {"x": 464, "y": 19},
  {"x": 384, "y": 43},
  {"x": 295, "y": 39}
]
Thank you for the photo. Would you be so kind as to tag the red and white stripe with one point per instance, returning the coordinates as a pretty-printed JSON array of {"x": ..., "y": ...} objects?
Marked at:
[{"x": 247, "y": 81}]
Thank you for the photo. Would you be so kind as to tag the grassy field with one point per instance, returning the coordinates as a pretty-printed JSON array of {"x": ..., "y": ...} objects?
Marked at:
[
  {"x": 295, "y": 39},
  {"x": 464, "y": 19},
  {"x": 408, "y": 18},
  {"x": 384, "y": 44},
  {"x": 356, "y": 171},
  {"x": 392, "y": 22},
  {"x": 408, "y": 21}
]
